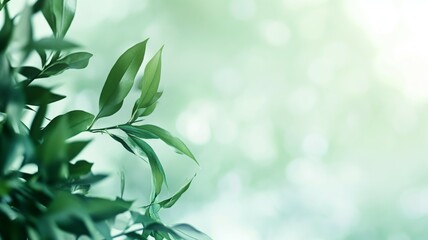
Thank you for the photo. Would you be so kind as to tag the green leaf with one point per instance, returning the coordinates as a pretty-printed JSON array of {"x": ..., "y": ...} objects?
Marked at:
[
  {"x": 89, "y": 179},
  {"x": 55, "y": 44},
  {"x": 6, "y": 31},
  {"x": 30, "y": 72},
  {"x": 77, "y": 121},
  {"x": 120, "y": 80},
  {"x": 74, "y": 148},
  {"x": 160, "y": 228},
  {"x": 102, "y": 209},
  {"x": 167, "y": 203},
  {"x": 78, "y": 60},
  {"x": 59, "y": 14},
  {"x": 188, "y": 232},
  {"x": 137, "y": 132},
  {"x": 145, "y": 111},
  {"x": 130, "y": 146},
  {"x": 142, "y": 218},
  {"x": 158, "y": 174},
  {"x": 38, "y": 5},
  {"x": 79, "y": 168},
  {"x": 35, "y": 129},
  {"x": 38, "y": 95},
  {"x": 22, "y": 36},
  {"x": 167, "y": 138},
  {"x": 149, "y": 85}
]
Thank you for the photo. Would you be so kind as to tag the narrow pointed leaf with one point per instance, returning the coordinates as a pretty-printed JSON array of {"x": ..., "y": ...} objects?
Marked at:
[
  {"x": 78, "y": 60},
  {"x": 6, "y": 31},
  {"x": 168, "y": 139},
  {"x": 130, "y": 146},
  {"x": 120, "y": 80},
  {"x": 74, "y": 148},
  {"x": 167, "y": 203},
  {"x": 59, "y": 14},
  {"x": 188, "y": 232},
  {"x": 149, "y": 84},
  {"x": 37, "y": 95},
  {"x": 158, "y": 174}
]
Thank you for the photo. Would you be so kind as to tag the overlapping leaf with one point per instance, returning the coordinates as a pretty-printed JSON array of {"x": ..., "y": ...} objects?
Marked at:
[
  {"x": 120, "y": 80},
  {"x": 149, "y": 86}
]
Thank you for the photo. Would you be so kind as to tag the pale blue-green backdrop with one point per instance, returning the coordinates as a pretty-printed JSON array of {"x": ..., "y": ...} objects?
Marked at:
[{"x": 308, "y": 117}]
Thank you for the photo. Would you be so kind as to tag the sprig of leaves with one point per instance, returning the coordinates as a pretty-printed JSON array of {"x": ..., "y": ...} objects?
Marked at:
[{"x": 51, "y": 202}]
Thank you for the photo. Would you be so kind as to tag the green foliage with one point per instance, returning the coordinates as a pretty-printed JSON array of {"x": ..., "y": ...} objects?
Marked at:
[{"x": 52, "y": 202}]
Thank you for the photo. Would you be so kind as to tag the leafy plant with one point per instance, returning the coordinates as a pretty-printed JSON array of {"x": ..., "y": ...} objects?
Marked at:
[{"x": 51, "y": 202}]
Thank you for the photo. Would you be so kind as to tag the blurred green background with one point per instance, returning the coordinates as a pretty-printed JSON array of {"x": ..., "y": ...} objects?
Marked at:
[{"x": 307, "y": 116}]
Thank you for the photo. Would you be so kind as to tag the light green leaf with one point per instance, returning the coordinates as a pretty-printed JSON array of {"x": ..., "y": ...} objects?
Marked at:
[
  {"x": 167, "y": 203},
  {"x": 59, "y": 14},
  {"x": 77, "y": 121},
  {"x": 22, "y": 36},
  {"x": 55, "y": 44},
  {"x": 149, "y": 85},
  {"x": 120, "y": 80},
  {"x": 145, "y": 111},
  {"x": 158, "y": 174},
  {"x": 167, "y": 138},
  {"x": 188, "y": 232}
]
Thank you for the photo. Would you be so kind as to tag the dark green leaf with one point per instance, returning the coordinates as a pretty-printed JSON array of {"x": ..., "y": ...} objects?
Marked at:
[
  {"x": 6, "y": 31},
  {"x": 55, "y": 44},
  {"x": 77, "y": 121},
  {"x": 38, "y": 5},
  {"x": 36, "y": 125},
  {"x": 38, "y": 95},
  {"x": 53, "y": 148},
  {"x": 80, "y": 168},
  {"x": 102, "y": 209},
  {"x": 30, "y": 72},
  {"x": 59, "y": 14},
  {"x": 168, "y": 139},
  {"x": 74, "y": 148},
  {"x": 149, "y": 85},
  {"x": 120, "y": 80},
  {"x": 158, "y": 174},
  {"x": 89, "y": 179},
  {"x": 167, "y": 203}
]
